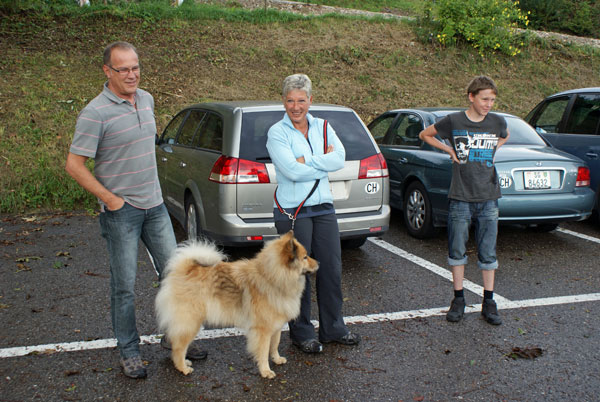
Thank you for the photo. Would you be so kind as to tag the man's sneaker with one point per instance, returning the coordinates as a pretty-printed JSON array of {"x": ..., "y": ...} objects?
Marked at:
[
  {"x": 489, "y": 311},
  {"x": 133, "y": 367},
  {"x": 457, "y": 310},
  {"x": 193, "y": 352}
]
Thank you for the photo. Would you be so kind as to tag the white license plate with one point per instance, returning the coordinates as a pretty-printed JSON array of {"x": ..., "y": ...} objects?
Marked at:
[
  {"x": 338, "y": 190},
  {"x": 537, "y": 179}
]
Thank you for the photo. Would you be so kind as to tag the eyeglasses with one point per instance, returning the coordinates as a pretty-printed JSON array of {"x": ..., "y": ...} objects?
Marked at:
[{"x": 124, "y": 72}]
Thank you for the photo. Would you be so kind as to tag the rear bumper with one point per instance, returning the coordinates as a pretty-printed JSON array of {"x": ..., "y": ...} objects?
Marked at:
[
  {"x": 236, "y": 232},
  {"x": 533, "y": 208}
]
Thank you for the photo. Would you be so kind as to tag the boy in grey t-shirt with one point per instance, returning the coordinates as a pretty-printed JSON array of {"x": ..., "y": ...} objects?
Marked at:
[{"x": 474, "y": 136}]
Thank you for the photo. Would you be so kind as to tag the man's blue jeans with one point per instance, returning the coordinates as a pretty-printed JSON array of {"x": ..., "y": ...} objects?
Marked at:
[
  {"x": 485, "y": 217},
  {"x": 123, "y": 230}
]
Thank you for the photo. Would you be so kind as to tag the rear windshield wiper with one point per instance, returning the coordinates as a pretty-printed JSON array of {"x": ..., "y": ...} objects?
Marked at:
[{"x": 263, "y": 158}]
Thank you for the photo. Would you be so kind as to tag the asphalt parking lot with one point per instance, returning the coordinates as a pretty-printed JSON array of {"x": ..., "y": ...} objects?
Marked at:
[{"x": 56, "y": 342}]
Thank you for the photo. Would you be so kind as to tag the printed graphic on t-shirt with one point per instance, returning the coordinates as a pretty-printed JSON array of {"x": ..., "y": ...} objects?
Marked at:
[{"x": 474, "y": 147}]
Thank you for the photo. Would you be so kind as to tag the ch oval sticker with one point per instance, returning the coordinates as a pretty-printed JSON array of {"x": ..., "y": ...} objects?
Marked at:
[
  {"x": 372, "y": 187},
  {"x": 505, "y": 181}
]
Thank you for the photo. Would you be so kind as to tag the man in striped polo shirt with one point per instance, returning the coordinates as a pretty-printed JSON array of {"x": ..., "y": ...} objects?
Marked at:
[{"x": 117, "y": 129}]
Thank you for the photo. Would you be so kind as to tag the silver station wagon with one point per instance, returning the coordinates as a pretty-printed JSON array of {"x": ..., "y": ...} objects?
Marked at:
[{"x": 218, "y": 181}]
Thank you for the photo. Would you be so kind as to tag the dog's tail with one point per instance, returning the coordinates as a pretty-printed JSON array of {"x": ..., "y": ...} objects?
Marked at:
[{"x": 199, "y": 252}]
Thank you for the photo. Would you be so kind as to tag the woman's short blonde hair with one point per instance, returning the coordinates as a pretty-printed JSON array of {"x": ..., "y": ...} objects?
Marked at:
[{"x": 297, "y": 81}]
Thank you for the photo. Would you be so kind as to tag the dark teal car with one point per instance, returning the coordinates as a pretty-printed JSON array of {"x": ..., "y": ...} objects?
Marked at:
[
  {"x": 541, "y": 186},
  {"x": 570, "y": 121}
]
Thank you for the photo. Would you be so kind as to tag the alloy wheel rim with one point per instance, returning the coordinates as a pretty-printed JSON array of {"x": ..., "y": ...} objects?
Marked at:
[
  {"x": 192, "y": 232},
  {"x": 416, "y": 210}
]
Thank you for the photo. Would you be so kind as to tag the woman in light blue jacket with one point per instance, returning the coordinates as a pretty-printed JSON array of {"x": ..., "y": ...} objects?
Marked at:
[{"x": 304, "y": 149}]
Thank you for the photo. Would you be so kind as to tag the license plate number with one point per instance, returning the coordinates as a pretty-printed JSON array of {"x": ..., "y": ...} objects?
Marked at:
[{"x": 537, "y": 179}]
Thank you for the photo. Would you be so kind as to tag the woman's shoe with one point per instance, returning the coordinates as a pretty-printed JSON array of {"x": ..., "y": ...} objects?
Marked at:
[
  {"x": 350, "y": 339},
  {"x": 309, "y": 346}
]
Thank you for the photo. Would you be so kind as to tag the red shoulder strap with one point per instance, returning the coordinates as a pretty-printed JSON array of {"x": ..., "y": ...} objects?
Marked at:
[
  {"x": 325, "y": 137},
  {"x": 293, "y": 217}
]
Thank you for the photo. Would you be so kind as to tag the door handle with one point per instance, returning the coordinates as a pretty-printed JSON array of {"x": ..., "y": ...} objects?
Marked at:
[{"x": 592, "y": 155}]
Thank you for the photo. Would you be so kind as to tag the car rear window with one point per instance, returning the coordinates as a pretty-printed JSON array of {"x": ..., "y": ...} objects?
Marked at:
[
  {"x": 255, "y": 125},
  {"x": 520, "y": 131}
]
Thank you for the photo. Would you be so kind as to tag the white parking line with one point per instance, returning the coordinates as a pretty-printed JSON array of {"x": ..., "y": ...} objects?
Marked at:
[
  {"x": 406, "y": 315},
  {"x": 436, "y": 269},
  {"x": 580, "y": 235},
  {"x": 359, "y": 319}
]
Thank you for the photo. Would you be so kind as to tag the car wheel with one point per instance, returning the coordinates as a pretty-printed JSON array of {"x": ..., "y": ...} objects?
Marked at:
[
  {"x": 353, "y": 243},
  {"x": 191, "y": 219},
  {"x": 545, "y": 227},
  {"x": 417, "y": 211}
]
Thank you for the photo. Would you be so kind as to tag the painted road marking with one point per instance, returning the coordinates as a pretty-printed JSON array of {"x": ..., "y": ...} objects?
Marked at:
[
  {"x": 580, "y": 235},
  {"x": 406, "y": 315},
  {"x": 359, "y": 319},
  {"x": 436, "y": 269}
]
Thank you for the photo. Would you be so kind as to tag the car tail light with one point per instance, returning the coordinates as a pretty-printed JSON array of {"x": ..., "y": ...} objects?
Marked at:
[
  {"x": 252, "y": 172},
  {"x": 373, "y": 167},
  {"x": 583, "y": 177},
  {"x": 229, "y": 170}
]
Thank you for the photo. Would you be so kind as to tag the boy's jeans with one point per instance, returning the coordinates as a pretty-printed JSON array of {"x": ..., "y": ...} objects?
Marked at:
[
  {"x": 485, "y": 216},
  {"x": 122, "y": 230}
]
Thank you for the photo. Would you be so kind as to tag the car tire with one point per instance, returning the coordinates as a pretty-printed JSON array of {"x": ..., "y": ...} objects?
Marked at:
[
  {"x": 353, "y": 243},
  {"x": 418, "y": 216},
  {"x": 192, "y": 219}
]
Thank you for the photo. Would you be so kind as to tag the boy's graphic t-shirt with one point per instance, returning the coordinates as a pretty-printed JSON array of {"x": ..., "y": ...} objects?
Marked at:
[{"x": 474, "y": 179}]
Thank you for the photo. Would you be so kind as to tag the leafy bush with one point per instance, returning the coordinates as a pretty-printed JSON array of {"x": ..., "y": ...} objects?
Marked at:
[
  {"x": 578, "y": 17},
  {"x": 487, "y": 25}
]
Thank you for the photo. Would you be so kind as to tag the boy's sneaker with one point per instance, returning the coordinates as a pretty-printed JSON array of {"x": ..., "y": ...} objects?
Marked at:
[
  {"x": 457, "y": 310},
  {"x": 133, "y": 367},
  {"x": 489, "y": 311}
]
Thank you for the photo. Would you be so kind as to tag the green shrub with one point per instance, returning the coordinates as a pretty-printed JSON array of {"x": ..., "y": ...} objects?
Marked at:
[
  {"x": 487, "y": 25},
  {"x": 578, "y": 17}
]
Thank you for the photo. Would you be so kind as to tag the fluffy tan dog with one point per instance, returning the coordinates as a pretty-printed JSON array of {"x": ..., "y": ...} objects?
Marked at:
[{"x": 258, "y": 295}]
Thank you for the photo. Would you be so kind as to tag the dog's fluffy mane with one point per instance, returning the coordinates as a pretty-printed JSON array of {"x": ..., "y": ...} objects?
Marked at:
[{"x": 273, "y": 284}]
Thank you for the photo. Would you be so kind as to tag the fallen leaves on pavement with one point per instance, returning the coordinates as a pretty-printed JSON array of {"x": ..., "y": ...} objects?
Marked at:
[
  {"x": 27, "y": 259},
  {"x": 525, "y": 353}
]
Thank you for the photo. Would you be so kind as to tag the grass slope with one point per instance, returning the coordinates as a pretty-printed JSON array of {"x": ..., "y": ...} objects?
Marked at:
[{"x": 51, "y": 68}]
